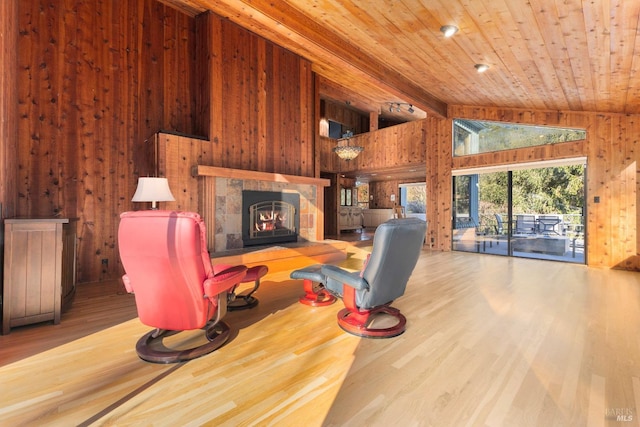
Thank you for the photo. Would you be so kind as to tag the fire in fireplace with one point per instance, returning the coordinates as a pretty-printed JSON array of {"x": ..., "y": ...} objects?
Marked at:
[{"x": 269, "y": 217}]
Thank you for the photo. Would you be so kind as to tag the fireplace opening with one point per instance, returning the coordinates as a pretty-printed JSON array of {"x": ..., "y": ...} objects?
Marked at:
[{"x": 269, "y": 217}]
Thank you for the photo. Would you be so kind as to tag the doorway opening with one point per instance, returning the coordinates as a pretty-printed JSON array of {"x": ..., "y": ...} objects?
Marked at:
[{"x": 413, "y": 199}]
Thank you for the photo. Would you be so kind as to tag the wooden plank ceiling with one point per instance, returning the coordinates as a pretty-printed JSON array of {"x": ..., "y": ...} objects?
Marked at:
[{"x": 580, "y": 55}]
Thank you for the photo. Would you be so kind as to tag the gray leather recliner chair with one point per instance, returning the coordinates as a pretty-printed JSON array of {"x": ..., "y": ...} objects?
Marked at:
[{"x": 367, "y": 294}]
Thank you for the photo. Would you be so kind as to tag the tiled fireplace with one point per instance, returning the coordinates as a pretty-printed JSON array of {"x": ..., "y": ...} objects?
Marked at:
[{"x": 221, "y": 204}]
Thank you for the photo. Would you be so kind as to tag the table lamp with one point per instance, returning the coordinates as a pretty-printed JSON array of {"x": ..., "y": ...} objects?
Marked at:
[{"x": 153, "y": 190}]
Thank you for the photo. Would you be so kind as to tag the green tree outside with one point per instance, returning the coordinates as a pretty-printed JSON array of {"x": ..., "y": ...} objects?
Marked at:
[{"x": 555, "y": 190}]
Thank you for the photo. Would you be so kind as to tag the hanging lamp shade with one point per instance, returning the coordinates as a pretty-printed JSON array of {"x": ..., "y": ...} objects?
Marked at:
[{"x": 345, "y": 150}]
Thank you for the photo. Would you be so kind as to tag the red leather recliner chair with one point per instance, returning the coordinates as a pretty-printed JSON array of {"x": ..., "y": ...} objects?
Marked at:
[{"x": 168, "y": 269}]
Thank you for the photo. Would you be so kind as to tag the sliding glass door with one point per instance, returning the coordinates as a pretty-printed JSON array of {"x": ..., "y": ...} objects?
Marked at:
[{"x": 534, "y": 213}]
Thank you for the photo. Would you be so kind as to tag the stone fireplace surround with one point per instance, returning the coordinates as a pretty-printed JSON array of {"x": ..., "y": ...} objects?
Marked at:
[{"x": 220, "y": 199}]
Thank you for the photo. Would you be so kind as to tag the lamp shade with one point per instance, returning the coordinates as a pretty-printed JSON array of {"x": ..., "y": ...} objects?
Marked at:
[
  {"x": 345, "y": 150},
  {"x": 153, "y": 190}
]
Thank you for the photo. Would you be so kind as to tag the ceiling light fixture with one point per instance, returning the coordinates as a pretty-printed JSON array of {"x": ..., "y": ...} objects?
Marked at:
[
  {"x": 347, "y": 151},
  {"x": 481, "y": 68},
  {"x": 449, "y": 30},
  {"x": 398, "y": 106}
]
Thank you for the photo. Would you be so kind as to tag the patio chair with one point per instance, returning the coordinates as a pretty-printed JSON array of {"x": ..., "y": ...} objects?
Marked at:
[
  {"x": 499, "y": 224},
  {"x": 525, "y": 224}
]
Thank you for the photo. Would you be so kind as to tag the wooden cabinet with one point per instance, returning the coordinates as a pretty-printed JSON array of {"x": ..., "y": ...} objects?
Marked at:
[
  {"x": 350, "y": 218},
  {"x": 39, "y": 270}
]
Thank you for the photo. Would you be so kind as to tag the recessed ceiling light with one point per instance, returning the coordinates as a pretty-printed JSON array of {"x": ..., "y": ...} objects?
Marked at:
[
  {"x": 481, "y": 67},
  {"x": 449, "y": 30}
]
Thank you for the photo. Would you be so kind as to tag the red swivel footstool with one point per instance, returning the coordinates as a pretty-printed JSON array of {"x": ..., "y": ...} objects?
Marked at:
[
  {"x": 314, "y": 296},
  {"x": 245, "y": 301}
]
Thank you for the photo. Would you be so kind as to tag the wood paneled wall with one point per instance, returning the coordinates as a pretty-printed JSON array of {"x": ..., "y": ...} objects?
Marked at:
[
  {"x": 331, "y": 203},
  {"x": 8, "y": 111},
  {"x": 177, "y": 156},
  {"x": 261, "y": 100},
  {"x": 382, "y": 191},
  {"x": 613, "y": 158},
  {"x": 95, "y": 80},
  {"x": 400, "y": 145},
  {"x": 439, "y": 189}
]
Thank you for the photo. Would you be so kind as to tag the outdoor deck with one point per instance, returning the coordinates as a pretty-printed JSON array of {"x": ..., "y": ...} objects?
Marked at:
[
  {"x": 550, "y": 237},
  {"x": 561, "y": 248}
]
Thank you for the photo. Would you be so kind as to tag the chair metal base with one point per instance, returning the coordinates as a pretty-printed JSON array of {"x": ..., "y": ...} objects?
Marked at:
[
  {"x": 316, "y": 297},
  {"x": 244, "y": 302},
  {"x": 359, "y": 323},
  {"x": 152, "y": 349}
]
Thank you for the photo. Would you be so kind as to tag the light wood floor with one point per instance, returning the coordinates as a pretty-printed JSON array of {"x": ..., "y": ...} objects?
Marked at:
[{"x": 491, "y": 341}]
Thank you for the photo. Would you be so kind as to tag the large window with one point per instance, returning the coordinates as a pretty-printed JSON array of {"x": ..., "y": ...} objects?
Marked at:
[
  {"x": 475, "y": 136},
  {"x": 336, "y": 130},
  {"x": 532, "y": 212},
  {"x": 346, "y": 197}
]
